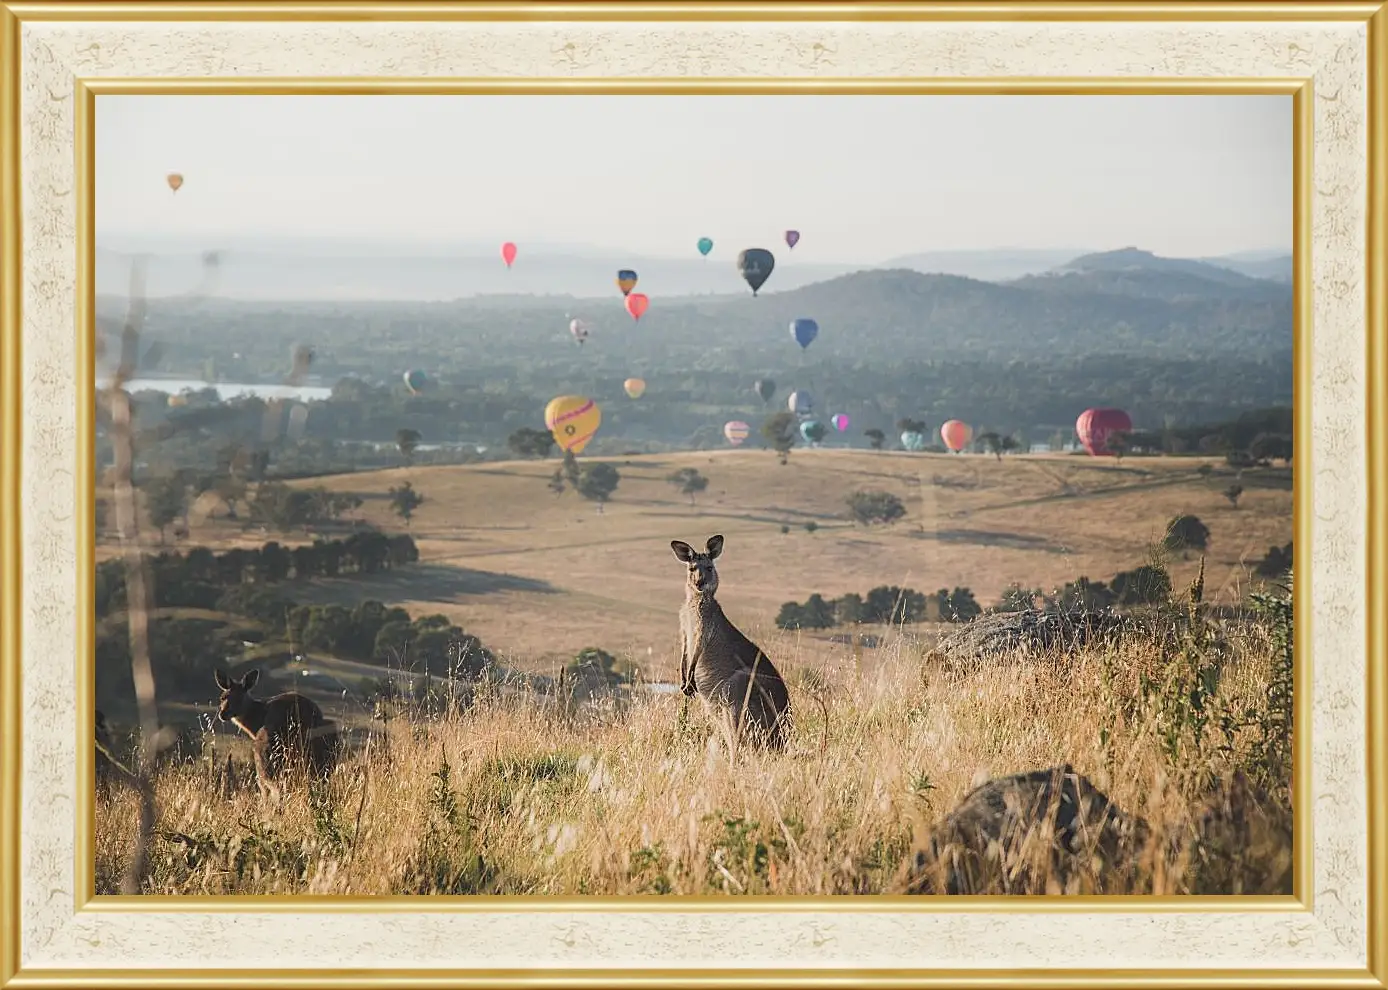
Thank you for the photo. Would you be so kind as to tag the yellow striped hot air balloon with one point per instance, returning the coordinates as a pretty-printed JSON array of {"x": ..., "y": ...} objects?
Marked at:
[
  {"x": 573, "y": 419},
  {"x": 736, "y": 431},
  {"x": 635, "y": 387}
]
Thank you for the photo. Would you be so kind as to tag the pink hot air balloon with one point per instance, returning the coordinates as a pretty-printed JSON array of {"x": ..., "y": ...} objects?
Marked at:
[
  {"x": 1095, "y": 426},
  {"x": 736, "y": 431},
  {"x": 956, "y": 433},
  {"x": 637, "y": 304},
  {"x": 508, "y": 253},
  {"x": 840, "y": 421}
]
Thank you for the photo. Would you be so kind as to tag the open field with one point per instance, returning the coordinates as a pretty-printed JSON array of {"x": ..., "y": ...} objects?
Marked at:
[{"x": 539, "y": 577}]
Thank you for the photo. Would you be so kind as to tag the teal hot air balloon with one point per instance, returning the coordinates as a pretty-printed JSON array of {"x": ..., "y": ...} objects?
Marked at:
[
  {"x": 812, "y": 430},
  {"x": 912, "y": 440},
  {"x": 414, "y": 381},
  {"x": 705, "y": 245},
  {"x": 804, "y": 330},
  {"x": 755, "y": 266}
]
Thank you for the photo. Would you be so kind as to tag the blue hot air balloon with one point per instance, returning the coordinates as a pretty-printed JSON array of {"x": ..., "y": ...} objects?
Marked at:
[
  {"x": 801, "y": 402},
  {"x": 804, "y": 330}
]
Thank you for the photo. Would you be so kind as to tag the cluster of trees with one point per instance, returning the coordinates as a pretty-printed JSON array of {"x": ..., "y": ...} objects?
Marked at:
[
  {"x": 885, "y": 604},
  {"x": 595, "y": 480},
  {"x": 199, "y": 578}
]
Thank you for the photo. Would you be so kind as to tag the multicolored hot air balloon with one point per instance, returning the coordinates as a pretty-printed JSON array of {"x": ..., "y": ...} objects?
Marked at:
[
  {"x": 579, "y": 329},
  {"x": 792, "y": 238},
  {"x": 755, "y": 266},
  {"x": 626, "y": 281},
  {"x": 175, "y": 180},
  {"x": 840, "y": 421},
  {"x": 635, "y": 387},
  {"x": 804, "y": 330},
  {"x": 637, "y": 304},
  {"x": 736, "y": 431},
  {"x": 801, "y": 402},
  {"x": 812, "y": 430},
  {"x": 572, "y": 419},
  {"x": 912, "y": 440},
  {"x": 414, "y": 381},
  {"x": 766, "y": 388},
  {"x": 508, "y": 253},
  {"x": 956, "y": 434},
  {"x": 1095, "y": 425},
  {"x": 705, "y": 245}
]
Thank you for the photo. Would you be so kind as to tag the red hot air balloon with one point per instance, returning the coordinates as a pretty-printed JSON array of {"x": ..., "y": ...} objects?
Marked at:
[
  {"x": 508, "y": 253},
  {"x": 637, "y": 304},
  {"x": 1095, "y": 425}
]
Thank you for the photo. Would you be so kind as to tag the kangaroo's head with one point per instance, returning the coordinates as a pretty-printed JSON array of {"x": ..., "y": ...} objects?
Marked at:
[
  {"x": 703, "y": 577},
  {"x": 236, "y": 693}
]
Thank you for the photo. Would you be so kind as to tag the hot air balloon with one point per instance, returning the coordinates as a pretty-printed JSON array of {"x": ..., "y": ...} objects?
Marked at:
[
  {"x": 912, "y": 440},
  {"x": 804, "y": 330},
  {"x": 637, "y": 304},
  {"x": 705, "y": 246},
  {"x": 414, "y": 381},
  {"x": 956, "y": 434},
  {"x": 1095, "y": 425},
  {"x": 755, "y": 265},
  {"x": 635, "y": 387},
  {"x": 626, "y": 281},
  {"x": 801, "y": 402},
  {"x": 766, "y": 388},
  {"x": 812, "y": 430},
  {"x": 175, "y": 180},
  {"x": 573, "y": 419},
  {"x": 508, "y": 253},
  {"x": 792, "y": 238},
  {"x": 840, "y": 421},
  {"x": 579, "y": 329},
  {"x": 736, "y": 431}
]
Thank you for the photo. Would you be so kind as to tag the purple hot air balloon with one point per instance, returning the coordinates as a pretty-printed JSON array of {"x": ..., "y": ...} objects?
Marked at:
[{"x": 792, "y": 238}]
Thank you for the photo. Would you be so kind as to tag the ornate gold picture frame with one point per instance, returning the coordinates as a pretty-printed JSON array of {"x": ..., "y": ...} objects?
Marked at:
[{"x": 57, "y": 58}]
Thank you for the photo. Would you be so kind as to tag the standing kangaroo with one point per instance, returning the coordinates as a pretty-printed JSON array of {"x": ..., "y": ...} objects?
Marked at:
[
  {"x": 285, "y": 725},
  {"x": 718, "y": 662}
]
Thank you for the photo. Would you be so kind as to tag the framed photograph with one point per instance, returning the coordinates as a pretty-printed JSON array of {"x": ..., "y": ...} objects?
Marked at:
[{"x": 693, "y": 494}]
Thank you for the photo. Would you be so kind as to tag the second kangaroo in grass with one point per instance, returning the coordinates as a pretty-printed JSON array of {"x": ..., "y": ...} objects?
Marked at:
[
  {"x": 718, "y": 662},
  {"x": 283, "y": 728}
]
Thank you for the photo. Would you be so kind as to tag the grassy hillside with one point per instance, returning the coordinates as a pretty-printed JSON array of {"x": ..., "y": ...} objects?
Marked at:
[{"x": 539, "y": 577}]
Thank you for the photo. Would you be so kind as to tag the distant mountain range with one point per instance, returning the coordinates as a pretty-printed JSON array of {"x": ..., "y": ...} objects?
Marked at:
[{"x": 346, "y": 270}]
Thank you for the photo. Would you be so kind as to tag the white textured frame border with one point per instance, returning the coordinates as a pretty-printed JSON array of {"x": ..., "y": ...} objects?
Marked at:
[{"x": 1334, "y": 936}]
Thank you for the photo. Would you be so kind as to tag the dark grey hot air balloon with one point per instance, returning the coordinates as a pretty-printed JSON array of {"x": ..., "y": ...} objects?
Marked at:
[
  {"x": 755, "y": 265},
  {"x": 766, "y": 388}
]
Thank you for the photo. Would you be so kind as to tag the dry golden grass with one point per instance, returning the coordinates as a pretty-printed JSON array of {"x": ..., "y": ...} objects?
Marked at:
[
  {"x": 540, "y": 798},
  {"x": 539, "y": 577}
]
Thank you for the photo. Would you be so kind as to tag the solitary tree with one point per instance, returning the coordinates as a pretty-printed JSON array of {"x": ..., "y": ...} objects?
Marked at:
[
  {"x": 1233, "y": 493},
  {"x": 527, "y": 442},
  {"x": 689, "y": 482},
  {"x": 875, "y": 437},
  {"x": 407, "y": 441},
  {"x": 597, "y": 482},
  {"x": 1186, "y": 533},
  {"x": 404, "y": 500},
  {"x": 873, "y": 505},
  {"x": 166, "y": 499},
  {"x": 779, "y": 431}
]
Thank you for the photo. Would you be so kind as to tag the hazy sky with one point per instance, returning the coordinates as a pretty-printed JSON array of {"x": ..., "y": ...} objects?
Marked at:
[{"x": 863, "y": 178}]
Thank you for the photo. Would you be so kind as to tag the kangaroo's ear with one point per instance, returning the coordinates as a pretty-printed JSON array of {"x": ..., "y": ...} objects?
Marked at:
[
  {"x": 251, "y": 677},
  {"x": 221, "y": 676},
  {"x": 714, "y": 546},
  {"x": 683, "y": 551}
]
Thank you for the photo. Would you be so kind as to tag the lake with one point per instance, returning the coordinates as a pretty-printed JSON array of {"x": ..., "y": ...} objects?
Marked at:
[{"x": 229, "y": 390}]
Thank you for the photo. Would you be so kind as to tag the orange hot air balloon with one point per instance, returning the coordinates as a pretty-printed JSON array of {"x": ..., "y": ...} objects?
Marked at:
[
  {"x": 736, "y": 431},
  {"x": 572, "y": 419},
  {"x": 175, "y": 181},
  {"x": 508, "y": 253},
  {"x": 956, "y": 434},
  {"x": 637, "y": 304},
  {"x": 635, "y": 387}
]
